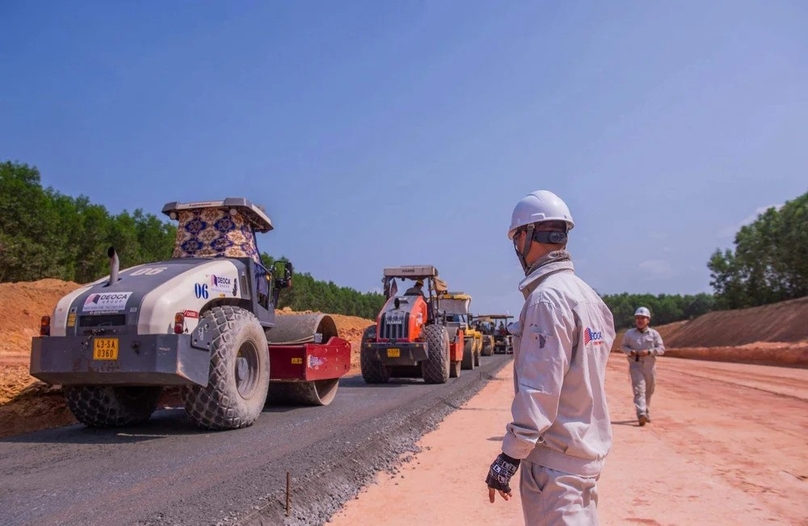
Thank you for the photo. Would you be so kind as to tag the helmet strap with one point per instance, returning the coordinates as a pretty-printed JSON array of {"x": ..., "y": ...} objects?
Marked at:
[
  {"x": 529, "y": 233},
  {"x": 545, "y": 237}
]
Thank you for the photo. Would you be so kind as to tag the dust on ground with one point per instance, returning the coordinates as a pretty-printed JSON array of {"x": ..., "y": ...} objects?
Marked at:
[{"x": 27, "y": 404}]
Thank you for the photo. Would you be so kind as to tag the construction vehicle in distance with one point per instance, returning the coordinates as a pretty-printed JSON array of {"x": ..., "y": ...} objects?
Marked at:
[
  {"x": 411, "y": 338},
  {"x": 203, "y": 320},
  {"x": 503, "y": 343},
  {"x": 485, "y": 326},
  {"x": 454, "y": 306}
]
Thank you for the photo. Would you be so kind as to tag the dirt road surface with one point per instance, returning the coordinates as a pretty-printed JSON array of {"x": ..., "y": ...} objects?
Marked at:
[{"x": 728, "y": 445}]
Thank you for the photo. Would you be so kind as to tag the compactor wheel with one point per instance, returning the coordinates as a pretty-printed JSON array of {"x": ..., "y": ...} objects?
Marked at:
[
  {"x": 436, "y": 368},
  {"x": 239, "y": 372},
  {"x": 468, "y": 355},
  {"x": 111, "y": 406},
  {"x": 318, "y": 392}
]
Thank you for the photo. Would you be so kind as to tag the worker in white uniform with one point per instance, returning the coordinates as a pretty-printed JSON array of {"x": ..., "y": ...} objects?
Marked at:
[
  {"x": 642, "y": 345},
  {"x": 560, "y": 431}
]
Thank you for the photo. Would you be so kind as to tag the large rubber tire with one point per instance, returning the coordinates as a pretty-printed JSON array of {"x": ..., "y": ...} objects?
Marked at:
[
  {"x": 488, "y": 346},
  {"x": 373, "y": 371},
  {"x": 111, "y": 406},
  {"x": 435, "y": 369},
  {"x": 239, "y": 372},
  {"x": 468, "y": 355}
]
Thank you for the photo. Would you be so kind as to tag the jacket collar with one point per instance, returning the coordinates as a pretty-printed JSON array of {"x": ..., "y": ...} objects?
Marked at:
[{"x": 559, "y": 260}]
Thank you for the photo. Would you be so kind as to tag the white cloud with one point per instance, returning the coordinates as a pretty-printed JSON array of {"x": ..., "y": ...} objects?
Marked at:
[
  {"x": 658, "y": 269},
  {"x": 730, "y": 231}
]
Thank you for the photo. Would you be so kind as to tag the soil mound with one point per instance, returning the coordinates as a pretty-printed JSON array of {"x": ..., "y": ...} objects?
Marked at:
[
  {"x": 779, "y": 322},
  {"x": 22, "y": 305}
]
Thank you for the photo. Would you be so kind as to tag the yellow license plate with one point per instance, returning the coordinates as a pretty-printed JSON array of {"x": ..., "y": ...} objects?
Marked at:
[
  {"x": 393, "y": 353},
  {"x": 105, "y": 349}
]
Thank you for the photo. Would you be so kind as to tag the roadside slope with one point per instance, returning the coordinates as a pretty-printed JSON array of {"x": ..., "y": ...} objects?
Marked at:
[
  {"x": 778, "y": 322},
  {"x": 775, "y": 334}
]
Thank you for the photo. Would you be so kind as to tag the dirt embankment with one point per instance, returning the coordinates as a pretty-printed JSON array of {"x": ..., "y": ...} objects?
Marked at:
[
  {"x": 26, "y": 404},
  {"x": 784, "y": 322},
  {"x": 774, "y": 334},
  {"x": 22, "y": 305}
]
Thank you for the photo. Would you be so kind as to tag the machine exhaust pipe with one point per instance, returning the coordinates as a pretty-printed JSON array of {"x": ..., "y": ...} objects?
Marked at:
[{"x": 114, "y": 264}]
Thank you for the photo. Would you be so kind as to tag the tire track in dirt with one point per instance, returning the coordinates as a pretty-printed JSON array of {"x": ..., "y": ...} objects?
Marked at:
[{"x": 766, "y": 459}]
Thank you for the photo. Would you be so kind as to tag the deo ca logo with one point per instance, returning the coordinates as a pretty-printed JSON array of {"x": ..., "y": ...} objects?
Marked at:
[
  {"x": 219, "y": 281},
  {"x": 222, "y": 284},
  {"x": 106, "y": 302},
  {"x": 595, "y": 337}
]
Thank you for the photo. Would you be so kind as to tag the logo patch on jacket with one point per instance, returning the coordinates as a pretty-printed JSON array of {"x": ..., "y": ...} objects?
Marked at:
[
  {"x": 591, "y": 336},
  {"x": 539, "y": 334}
]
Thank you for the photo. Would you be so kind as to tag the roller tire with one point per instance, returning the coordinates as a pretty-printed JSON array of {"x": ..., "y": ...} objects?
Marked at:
[
  {"x": 111, "y": 406},
  {"x": 219, "y": 404},
  {"x": 373, "y": 371},
  {"x": 436, "y": 368},
  {"x": 488, "y": 346},
  {"x": 315, "y": 393},
  {"x": 468, "y": 355}
]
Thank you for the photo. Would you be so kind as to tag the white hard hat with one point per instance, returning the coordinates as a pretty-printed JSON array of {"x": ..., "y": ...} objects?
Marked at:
[
  {"x": 642, "y": 311},
  {"x": 541, "y": 205}
]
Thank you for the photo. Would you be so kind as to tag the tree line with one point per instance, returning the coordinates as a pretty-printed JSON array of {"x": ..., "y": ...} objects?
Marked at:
[
  {"x": 769, "y": 262},
  {"x": 665, "y": 308},
  {"x": 308, "y": 293},
  {"x": 46, "y": 234}
]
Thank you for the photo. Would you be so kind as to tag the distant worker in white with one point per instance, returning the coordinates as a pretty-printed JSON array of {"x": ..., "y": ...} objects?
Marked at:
[
  {"x": 560, "y": 433},
  {"x": 642, "y": 345}
]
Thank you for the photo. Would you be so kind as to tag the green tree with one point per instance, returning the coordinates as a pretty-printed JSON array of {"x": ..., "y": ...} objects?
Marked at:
[
  {"x": 665, "y": 308},
  {"x": 769, "y": 262}
]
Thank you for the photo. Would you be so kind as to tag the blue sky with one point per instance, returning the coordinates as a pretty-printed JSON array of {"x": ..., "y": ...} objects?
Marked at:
[{"x": 388, "y": 133}]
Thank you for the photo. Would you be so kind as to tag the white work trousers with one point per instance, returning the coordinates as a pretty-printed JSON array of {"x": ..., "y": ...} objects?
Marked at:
[
  {"x": 552, "y": 498},
  {"x": 643, "y": 381}
]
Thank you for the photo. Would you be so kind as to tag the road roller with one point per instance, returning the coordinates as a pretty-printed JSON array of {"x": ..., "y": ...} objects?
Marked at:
[{"x": 204, "y": 320}]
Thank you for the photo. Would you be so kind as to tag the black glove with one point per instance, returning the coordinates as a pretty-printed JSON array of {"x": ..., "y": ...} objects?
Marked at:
[{"x": 501, "y": 471}]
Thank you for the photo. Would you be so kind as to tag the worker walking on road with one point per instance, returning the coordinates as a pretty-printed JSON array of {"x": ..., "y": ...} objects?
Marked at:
[
  {"x": 560, "y": 433},
  {"x": 642, "y": 345}
]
